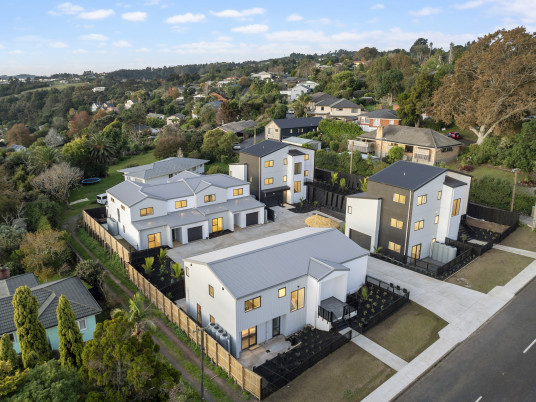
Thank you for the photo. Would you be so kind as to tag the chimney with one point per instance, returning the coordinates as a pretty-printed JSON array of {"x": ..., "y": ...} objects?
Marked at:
[{"x": 379, "y": 132}]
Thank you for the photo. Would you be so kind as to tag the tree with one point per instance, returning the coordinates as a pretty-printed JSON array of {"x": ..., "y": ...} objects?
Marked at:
[
  {"x": 169, "y": 142},
  {"x": 71, "y": 342},
  {"x": 177, "y": 270},
  {"x": 101, "y": 149},
  {"x": 44, "y": 252},
  {"x": 523, "y": 154},
  {"x": 494, "y": 83},
  {"x": 7, "y": 352},
  {"x": 419, "y": 49},
  {"x": 217, "y": 143},
  {"x": 53, "y": 139},
  {"x": 42, "y": 158},
  {"x": 375, "y": 70},
  {"x": 162, "y": 257},
  {"x": 124, "y": 366},
  {"x": 138, "y": 313},
  {"x": 10, "y": 239},
  {"x": 30, "y": 331},
  {"x": 18, "y": 134},
  {"x": 389, "y": 83},
  {"x": 418, "y": 100},
  {"x": 148, "y": 265},
  {"x": 10, "y": 380},
  {"x": 58, "y": 181},
  {"x": 79, "y": 121},
  {"x": 277, "y": 111},
  {"x": 396, "y": 153},
  {"x": 367, "y": 53},
  {"x": 90, "y": 271}
]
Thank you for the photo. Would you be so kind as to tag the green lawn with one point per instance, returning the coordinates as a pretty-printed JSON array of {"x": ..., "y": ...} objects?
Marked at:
[
  {"x": 488, "y": 170},
  {"x": 467, "y": 134}
]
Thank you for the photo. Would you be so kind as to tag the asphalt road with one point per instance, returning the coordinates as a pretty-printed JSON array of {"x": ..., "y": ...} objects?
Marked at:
[
  {"x": 497, "y": 363},
  {"x": 249, "y": 142}
]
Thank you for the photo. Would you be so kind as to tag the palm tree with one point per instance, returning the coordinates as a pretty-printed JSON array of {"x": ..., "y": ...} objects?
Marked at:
[
  {"x": 300, "y": 105},
  {"x": 162, "y": 257},
  {"x": 148, "y": 266},
  {"x": 137, "y": 313},
  {"x": 101, "y": 149},
  {"x": 177, "y": 271},
  {"x": 42, "y": 158}
]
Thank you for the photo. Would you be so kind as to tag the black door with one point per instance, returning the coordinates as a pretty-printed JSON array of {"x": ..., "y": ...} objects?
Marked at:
[
  {"x": 195, "y": 233},
  {"x": 252, "y": 218},
  {"x": 360, "y": 238}
]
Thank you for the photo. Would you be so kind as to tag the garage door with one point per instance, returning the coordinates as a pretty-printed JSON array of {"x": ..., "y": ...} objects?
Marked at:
[
  {"x": 360, "y": 238},
  {"x": 252, "y": 218},
  {"x": 195, "y": 233}
]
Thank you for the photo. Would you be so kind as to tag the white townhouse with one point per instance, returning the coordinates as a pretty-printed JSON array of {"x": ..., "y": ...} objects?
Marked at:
[
  {"x": 189, "y": 207},
  {"x": 160, "y": 172},
  {"x": 276, "y": 171},
  {"x": 407, "y": 207},
  {"x": 274, "y": 286}
]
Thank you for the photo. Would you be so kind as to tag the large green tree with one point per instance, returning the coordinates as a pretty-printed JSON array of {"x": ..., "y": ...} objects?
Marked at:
[
  {"x": 523, "y": 154},
  {"x": 32, "y": 336},
  {"x": 71, "y": 342},
  {"x": 493, "y": 85}
]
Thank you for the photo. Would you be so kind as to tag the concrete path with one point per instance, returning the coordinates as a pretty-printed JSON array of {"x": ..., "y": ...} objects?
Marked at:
[
  {"x": 527, "y": 220},
  {"x": 78, "y": 201},
  {"x": 379, "y": 352},
  {"x": 514, "y": 250}
]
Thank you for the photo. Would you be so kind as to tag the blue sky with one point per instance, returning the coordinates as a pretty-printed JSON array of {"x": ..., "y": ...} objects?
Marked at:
[{"x": 45, "y": 37}]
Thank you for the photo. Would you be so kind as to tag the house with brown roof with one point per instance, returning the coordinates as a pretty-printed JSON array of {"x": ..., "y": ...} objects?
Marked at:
[
  {"x": 382, "y": 117},
  {"x": 327, "y": 106},
  {"x": 421, "y": 145}
]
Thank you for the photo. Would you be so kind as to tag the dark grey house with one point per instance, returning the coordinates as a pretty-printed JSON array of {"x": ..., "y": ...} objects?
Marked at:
[{"x": 279, "y": 129}]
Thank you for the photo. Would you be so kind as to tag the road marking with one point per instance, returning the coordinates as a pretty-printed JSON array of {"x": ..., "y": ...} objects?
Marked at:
[
  {"x": 479, "y": 398},
  {"x": 528, "y": 347}
]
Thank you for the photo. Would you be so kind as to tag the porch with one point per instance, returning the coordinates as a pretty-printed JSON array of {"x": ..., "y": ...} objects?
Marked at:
[
  {"x": 332, "y": 310},
  {"x": 257, "y": 355}
]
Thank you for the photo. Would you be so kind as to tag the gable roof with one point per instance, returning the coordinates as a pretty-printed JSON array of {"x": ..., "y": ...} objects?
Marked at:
[
  {"x": 251, "y": 267},
  {"x": 128, "y": 192},
  {"x": 163, "y": 167},
  {"x": 237, "y": 126},
  {"x": 48, "y": 294},
  {"x": 381, "y": 114},
  {"x": 424, "y": 137},
  {"x": 295, "y": 152},
  {"x": 408, "y": 175},
  {"x": 298, "y": 122},
  {"x": 264, "y": 148}
]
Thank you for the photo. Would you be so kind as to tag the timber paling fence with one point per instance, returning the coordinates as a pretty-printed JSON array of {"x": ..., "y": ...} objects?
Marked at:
[{"x": 245, "y": 378}]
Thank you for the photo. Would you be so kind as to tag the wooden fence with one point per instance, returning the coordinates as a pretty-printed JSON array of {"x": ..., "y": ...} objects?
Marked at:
[{"x": 244, "y": 377}]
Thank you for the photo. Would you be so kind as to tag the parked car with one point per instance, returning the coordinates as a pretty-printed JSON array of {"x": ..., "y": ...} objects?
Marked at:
[
  {"x": 102, "y": 199},
  {"x": 454, "y": 135},
  {"x": 236, "y": 146}
]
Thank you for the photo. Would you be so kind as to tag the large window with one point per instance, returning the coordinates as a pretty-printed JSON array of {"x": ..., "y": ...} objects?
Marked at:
[
  {"x": 456, "y": 207},
  {"x": 421, "y": 199},
  {"x": 297, "y": 168},
  {"x": 306, "y": 173},
  {"x": 238, "y": 191},
  {"x": 297, "y": 186},
  {"x": 397, "y": 223},
  {"x": 252, "y": 304},
  {"x": 394, "y": 247},
  {"x": 268, "y": 163},
  {"x": 297, "y": 299},
  {"x": 217, "y": 224},
  {"x": 211, "y": 290},
  {"x": 181, "y": 204},
  {"x": 416, "y": 252},
  {"x": 154, "y": 240},
  {"x": 418, "y": 225},
  {"x": 401, "y": 199},
  {"x": 210, "y": 198},
  {"x": 146, "y": 211},
  {"x": 282, "y": 292},
  {"x": 249, "y": 337}
]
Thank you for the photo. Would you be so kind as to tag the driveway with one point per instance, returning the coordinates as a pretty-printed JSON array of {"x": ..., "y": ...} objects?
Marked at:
[{"x": 249, "y": 142}]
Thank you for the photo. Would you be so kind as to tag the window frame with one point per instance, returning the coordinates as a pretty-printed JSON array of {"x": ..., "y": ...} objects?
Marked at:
[
  {"x": 298, "y": 185},
  {"x": 154, "y": 239},
  {"x": 456, "y": 206},
  {"x": 211, "y": 291},
  {"x": 397, "y": 224},
  {"x": 439, "y": 194},
  {"x": 146, "y": 211},
  {"x": 422, "y": 199},
  {"x": 284, "y": 178},
  {"x": 285, "y": 161},
  {"x": 297, "y": 168},
  {"x": 179, "y": 204},
  {"x": 306, "y": 157},
  {"x": 268, "y": 163},
  {"x": 238, "y": 191},
  {"x": 436, "y": 219},
  {"x": 79, "y": 324},
  {"x": 212, "y": 320},
  {"x": 394, "y": 247},
  {"x": 399, "y": 198},
  {"x": 252, "y": 304},
  {"x": 279, "y": 295},
  {"x": 210, "y": 198},
  {"x": 296, "y": 297},
  {"x": 418, "y": 225},
  {"x": 306, "y": 173},
  {"x": 268, "y": 181}
]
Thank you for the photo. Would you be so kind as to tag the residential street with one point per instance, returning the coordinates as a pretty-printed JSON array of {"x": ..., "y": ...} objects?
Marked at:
[{"x": 495, "y": 364}]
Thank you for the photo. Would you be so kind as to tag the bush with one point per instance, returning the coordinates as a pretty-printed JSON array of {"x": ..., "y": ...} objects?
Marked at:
[
  {"x": 396, "y": 153},
  {"x": 498, "y": 193},
  {"x": 90, "y": 271}
]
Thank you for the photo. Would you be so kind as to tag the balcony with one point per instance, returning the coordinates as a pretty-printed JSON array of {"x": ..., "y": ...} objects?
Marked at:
[
  {"x": 421, "y": 154},
  {"x": 361, "y": 146}
]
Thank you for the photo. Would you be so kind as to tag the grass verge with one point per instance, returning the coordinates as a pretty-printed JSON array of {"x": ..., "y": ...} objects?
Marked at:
[{"x": 523, "y": 238}]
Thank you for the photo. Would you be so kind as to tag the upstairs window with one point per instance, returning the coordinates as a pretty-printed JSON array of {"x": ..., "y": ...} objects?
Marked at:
[
  {"x": 456, "y": 207},
  {"x": 397, "y": 223},
  {"x": 268, "y": 163},
  {"x": 146, "y": 211},
  {"x": 306, "y": 157},
  {"x": 238, "y": 191},
  {"x": 297, "y": 299},
  {"x": 210, "y": 198},
  {"x": 418, "y": 225},
  {"x": 252, "y": 304},
  {"x": 399, "y": 198},
  {"x": 269, "y": 180},
  {"x": 422, "y": 199},
  {"x": 297, "y": 168},
  {"x": 181, "y": 204},
  {"x": 439, "y": 193},
  {"x": 210, "y": 290}
]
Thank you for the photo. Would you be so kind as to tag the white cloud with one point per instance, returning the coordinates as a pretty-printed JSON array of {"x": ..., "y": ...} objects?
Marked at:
[
  {"x": 378, "y": 6},
  {"x": 66, "y": 9},
  {"x": 423, "y": 12},
  {"x": 58, "y": 45},
  {"x": 239, "y": 14},
  {"x": 251, "y": 29},
  {"x": 135, "y": 16},
  {"x": 470, "y": 4},
  {"x": 294, "y": 17},
  {"x": 224, "y": 38},
  {"x": 98, "y": 37},
  {"x": 79, "y": 51},
  {"x": 122, "y": 43},
  {"x": 17, "y": 51},
  {"x": 97, "y": 14},
  {"x": 185, "y": 18},
  {"x": 143, "y": 50}
]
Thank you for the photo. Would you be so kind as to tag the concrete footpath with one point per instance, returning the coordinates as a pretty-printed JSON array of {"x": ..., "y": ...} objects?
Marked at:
[{"x": 464, "y": 309}]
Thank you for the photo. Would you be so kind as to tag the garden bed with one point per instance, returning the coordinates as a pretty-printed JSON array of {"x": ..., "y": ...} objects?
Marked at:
[{"x": 161, "y": 278}]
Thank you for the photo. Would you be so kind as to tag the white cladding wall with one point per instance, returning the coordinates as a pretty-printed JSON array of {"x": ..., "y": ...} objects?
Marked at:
[
  {"x": 334, "y": 285},
  {"x": 219, "y": 192},
  {"x": 467, "y": 189},
  {"x": 239, "y": 171},
  {"x": 364, "y": 218},
  {"x": 182, "y": 232},
  {"x": 245, "y": 191},
  {"x": 357, "y": 273},
  {"x": 165, "y": 236},
  {"x": 190, "y": 203},
  {"x": 159, "y": 209}
]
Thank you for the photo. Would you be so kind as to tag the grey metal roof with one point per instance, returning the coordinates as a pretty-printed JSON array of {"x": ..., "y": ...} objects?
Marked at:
[
  {"x": 381, "y": 114},
  {"x": 233, "y": 205},
  {"x": 221, "y": 180},
  {"x": 423, "y": 137},
  {"x": 238, "y": 126},
  {"x": 336, "y": 102},
  {"x": 452, "y": 182},
  {"x": 320, "y": 96},
  {"x": 250, "y": 267},
  {"x": 408, "y": 175},
  {"x": 167, "y": 191},
  {"x": 128, "y": 192},
  {"x": 319, "y": 268},
  {"x": 299, "y": 140},
  {"x": 48, "y": 294},
  {"x": 264, "y": 148},
  {"x": 172, "y": 219},
  {"x": 295, "y": 152},
  {"x": 298, "y": 122},
  {"x": 163, "y": 168}
]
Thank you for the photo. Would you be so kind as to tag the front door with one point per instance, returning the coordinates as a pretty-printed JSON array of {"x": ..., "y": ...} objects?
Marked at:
[
  {"x": 416, "y": 252},
  {"x": 154, "y": 240},
  {"x": 217, "y": 225},
  {"x": 199, "y": 316},
  {"x": 276, "y": 326},
  {"x": 249, "y": 337}
]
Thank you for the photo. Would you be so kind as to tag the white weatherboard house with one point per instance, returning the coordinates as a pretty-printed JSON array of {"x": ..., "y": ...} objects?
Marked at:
[
  {"x": 274, "y": 286},
  {"x": 407, "y": 207},
  {"x": 160, "y": 172},
  {"x": 189, "y": 207}
]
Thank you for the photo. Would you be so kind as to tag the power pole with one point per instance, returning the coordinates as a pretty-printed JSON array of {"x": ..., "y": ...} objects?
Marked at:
[
  {"x": 254, "y": 135},
  {"x": 351, "y": 157},
  {"x": 514, "y": 190}
]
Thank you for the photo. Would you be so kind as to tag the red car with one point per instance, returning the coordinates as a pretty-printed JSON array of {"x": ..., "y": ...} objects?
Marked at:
[{"x": 454, "y": 135}]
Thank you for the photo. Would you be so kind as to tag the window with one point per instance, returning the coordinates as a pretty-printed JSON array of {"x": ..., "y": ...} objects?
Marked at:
[
  {"x": 268, "y": 163},
  {"x": 391, "y": 122},
  {"x": 401, "y": 199},
  {"x": 153, "y": 240},
  {"x": 285, "y": 178},
  {"x": 297, "y": 186},
  {"x": 394, "y": 247},
  {"x": 297, "y": 299},
  {"x": 249, "y": 337},
  {"x": 290, "y": 131},
  {"x": 252, "y": 304},
  {"x": 13, "y": 337},
  {"x": 269, "y": 180},
  {"x": 456, "y": 207},
  {"x": 187, "y": 271},
  {"x": 297, "y": 168},
  {"x": 285, "y": 161},
  {"x": 212, "y": 320},
  {"x": 123, "y": 228},
  {"x": 170, "y": 175},
  {"x": 421, "y": 199},
  {"x": 146, "y": 211},
  {"x": 210, "y": 290},
  {"x": 112, "y": 198},
  {"x": 181, "y": 204},
  {"x": 238, "y": 191},
  {"x": 418, "y": 225},
  {"x": 397, "y": 223},
  {"x": 306, "y": 173},
  {"x": 210, "y": 198},
  {"x": 416, "y": 252},
  {"x": 436, "y": 219},
  {"x": 82, "y": 324},
  {"x": 306, "y": 157},
  {"x": 433, "y": 239},
  {"x": 122, "y": 207},
  {"x": 217, "y": 225},
  {"x": 439, "y": 193},
  {"x": 349, "y": 209},
  {"x": 282, "y": 292},
  {"x": 354, "y": 110},
  {"x": 118, "y": 215}
]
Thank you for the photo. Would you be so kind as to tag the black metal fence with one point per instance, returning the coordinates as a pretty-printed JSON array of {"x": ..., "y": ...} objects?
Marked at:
[
  {"x": 326, "y": 198},
  {"x": 326, "y": 314},
  {"x": 352, "y": 180},
  {"x": 478, "y": 249},
  {"x": 492, "y": 214}
]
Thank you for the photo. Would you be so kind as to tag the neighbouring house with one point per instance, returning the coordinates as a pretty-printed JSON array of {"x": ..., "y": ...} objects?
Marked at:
[
  {"x": 279, "y": 129},
  {"x": 188, "y": 207},
  {"x": 276, "y": 171},
  {"x": 406, "y": 208},
  {"x": 295, "y": 92},
  {"x": 109, "y": 107},
  {"x": 274, "y": 286},
  {"x": 139, "y": 128},
  {"x": 84, "y": 306},
  {"x": 156, "y": 116},
  {"x": 327, "y": 106},
  {"x": 129, "y": 103},
  {"x": 369, "y": 121},
  {"x": 99, "y": 89},
  {"x": 218, "y": 97},
  {"x": 174, "y": 118},
  {"x": 160, "y": 172},
  {"x": 238, "y": 127},
  {"x": 95, "y": 106},
  {"x": 263, "y": 75},
  {"x": 421, "y": 145},
  {"x": 16, "y": 148},
  {"x": 303, "y": 142}
]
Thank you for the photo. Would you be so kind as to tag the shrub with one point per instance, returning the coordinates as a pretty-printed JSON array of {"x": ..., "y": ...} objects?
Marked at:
[{"x": 396, "y": 153}]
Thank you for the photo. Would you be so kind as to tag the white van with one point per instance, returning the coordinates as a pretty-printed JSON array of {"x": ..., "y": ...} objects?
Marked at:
[{"x": 102, "y": 199}]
